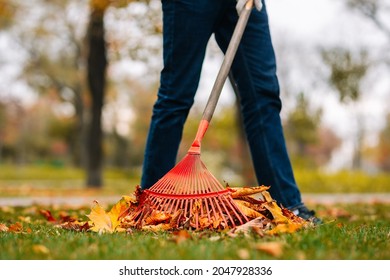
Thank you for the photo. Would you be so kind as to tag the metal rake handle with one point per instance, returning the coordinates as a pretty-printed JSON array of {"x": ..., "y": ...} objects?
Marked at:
[
  {"x": 227, "y": 62},
  {"x": 221, "y": 77}
]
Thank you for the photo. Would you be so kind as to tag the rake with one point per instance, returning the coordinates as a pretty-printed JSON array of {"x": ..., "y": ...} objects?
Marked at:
[{"x": 189, "y": 187}]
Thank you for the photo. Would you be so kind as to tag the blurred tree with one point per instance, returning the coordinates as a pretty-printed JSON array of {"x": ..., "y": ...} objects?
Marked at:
[
  {"x": 301, "y": 127},
  {"x": 383, "y": 147},
  {"x": 96, "y": 77},
  {"x": 53, "y": 47},
  {"x": 346, "y": 74},
  {"x": 7, "y": 12},
  {"x": 96, "y": 73},
  {"x": 375, "y": 11}
]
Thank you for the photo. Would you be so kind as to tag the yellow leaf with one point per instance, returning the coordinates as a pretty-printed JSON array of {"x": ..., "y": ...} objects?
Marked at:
[
  {"x": 246, "y": 210},
  {"x": 159, "y": 227},
  {"x": 274, "y": 248},
  {"x": 285, "y": 228},
  {"x": 119, "y": 210},
  {"x": 245, "y": 191},
  {"x": 40, "y": 249},
  {"x": 276, "y": 212},
  {"x": 101, "y": 220}
]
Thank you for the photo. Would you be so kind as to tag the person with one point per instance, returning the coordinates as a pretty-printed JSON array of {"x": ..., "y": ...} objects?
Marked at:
[{"x": 187, "y": 27}]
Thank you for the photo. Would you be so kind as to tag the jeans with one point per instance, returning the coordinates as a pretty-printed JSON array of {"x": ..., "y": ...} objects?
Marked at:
[{"x": 188, "y": 26}]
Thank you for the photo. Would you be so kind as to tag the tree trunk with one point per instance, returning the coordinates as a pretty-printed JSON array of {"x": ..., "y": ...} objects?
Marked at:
[{"x": 96, "y": 72}]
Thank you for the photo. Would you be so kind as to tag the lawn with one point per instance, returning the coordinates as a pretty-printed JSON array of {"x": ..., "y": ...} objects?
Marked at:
[
  {"x": 350, "y": 231},
  {"x": 358, "y": 231}
]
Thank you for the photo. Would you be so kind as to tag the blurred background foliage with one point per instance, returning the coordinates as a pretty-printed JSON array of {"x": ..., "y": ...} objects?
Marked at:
[{"x": 54, "y": 44}]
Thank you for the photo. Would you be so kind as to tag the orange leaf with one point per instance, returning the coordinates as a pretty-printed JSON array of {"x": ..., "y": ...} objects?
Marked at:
[
  {"x": 157, "y": 217},
  {"x": 3, "y": 228},
  {"x": 273, "y": 248},
  {"x": 181, "y": 236},
  {"x": 243, "y": 254},
  {"x": 17, "y": 227}
]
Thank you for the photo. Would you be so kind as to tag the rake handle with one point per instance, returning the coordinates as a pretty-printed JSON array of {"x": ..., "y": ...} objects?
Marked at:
[{"x": 221, "y": 77}]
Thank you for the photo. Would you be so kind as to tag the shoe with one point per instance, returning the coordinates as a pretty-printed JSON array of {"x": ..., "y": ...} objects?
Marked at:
[{"x": 306, "y": 214}]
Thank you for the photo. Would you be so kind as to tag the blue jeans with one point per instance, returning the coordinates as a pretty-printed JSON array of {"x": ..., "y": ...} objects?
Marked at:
[{"x": 188, "y": 26}]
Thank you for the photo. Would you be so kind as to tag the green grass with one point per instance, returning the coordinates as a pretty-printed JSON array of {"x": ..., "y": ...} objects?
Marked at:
[
  {"x": 48, "y": 180},
  {"x": 43, "y": 180},
  {"x": 317, "y": 181},
  {"x": 359, "y": 231}
]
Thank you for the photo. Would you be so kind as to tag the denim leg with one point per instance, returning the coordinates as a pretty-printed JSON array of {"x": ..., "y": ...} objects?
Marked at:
[
  {"x": 188, "y": 26},
  {"x": 254, "y": 70}
]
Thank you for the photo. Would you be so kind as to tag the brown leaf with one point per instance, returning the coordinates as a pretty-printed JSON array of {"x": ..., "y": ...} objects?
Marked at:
[
  {"x": 273, "y": 248},
  {"x": 3, "y": 228},
  {"x": 65, "y": 217},
  {"x": 259, "y": 223},
  {"x": 75, "y": 225}
]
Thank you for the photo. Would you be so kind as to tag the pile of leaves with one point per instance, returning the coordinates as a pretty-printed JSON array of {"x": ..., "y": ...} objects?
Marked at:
[{"x": 264, "y": 216}]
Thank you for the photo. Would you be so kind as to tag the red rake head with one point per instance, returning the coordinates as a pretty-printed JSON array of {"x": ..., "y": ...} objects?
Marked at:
[{"x": 190, "y": 187}]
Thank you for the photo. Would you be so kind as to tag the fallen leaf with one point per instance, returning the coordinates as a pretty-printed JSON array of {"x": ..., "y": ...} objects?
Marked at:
[
  {"x": 215, "y": 238},
  {"x": 47, "y": 214},
  {"x": 276, "y": 212},
  {"x": 25, "y": 219},
  {"x": 247, "y": 227},
  {"x": 121, "y": 208},
  {"x": 17, "y": 228},
  {"x": 101, "y": 220},
  {"x": 285, "y": 228},
  {"x": 156, "y": 228},
  {"x": 243, "y": 254},
  {"x": 246, "y": 210},
  {"x": 40, "y": 249},
  {"x": 181, "y": 236},
  {"x": 157, "y": 217},
  {"x": 75, "y": 225},
  {"x": 245, "y": 191},
  {"x": 3, "y": 228},
  {"x": 273, "y": 248}
]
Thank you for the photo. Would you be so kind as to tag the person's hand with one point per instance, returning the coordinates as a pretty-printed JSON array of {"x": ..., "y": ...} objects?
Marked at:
[{"x": 241, "y": 4}]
